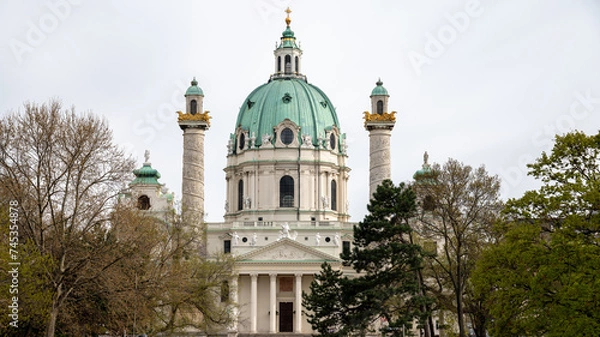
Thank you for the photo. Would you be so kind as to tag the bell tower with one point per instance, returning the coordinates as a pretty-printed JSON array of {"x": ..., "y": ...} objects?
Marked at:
[
  {"x": 379, "y": 123},
  {"x": 194, "y": 123}
]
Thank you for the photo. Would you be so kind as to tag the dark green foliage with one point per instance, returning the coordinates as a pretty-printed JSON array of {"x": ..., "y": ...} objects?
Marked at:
[
  {"x": 385, "y": 287},
  {"x": 543, "y": 279}
]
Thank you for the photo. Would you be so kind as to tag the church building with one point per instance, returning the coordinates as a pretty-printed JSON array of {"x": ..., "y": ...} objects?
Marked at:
[{"x": 286, "y": 207}]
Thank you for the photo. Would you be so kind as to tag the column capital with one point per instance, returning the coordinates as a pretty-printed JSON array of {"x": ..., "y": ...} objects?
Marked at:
[
  {"x": 254, "y": 275},
  {"x": 298, "y": 274},
  {"x": 272, "y": 275}
]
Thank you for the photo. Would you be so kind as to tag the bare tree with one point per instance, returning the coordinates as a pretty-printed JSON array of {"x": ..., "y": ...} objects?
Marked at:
[
  {"x": 459, "y": 206},
  {"x": 107, "y": 266}
]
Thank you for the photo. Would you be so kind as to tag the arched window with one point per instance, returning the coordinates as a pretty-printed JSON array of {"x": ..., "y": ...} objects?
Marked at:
[
  {"x": 144, "y": 202},
  {"x": 297, "y": 64},
  {"x": 286, "y": 192},
  {"x": 333, "y": 195},
  {"x": 380, "y": 107},
  {"x": 332, "y": 141},
  {"x": 288, "y": 64},
  {"x": 240, "y": 195},
  {"x": 242, "y": 141},
  {"x": 428, "y": 203},
  {"x": 193, "y": 107},
  {"x": 278, "y": 64}
]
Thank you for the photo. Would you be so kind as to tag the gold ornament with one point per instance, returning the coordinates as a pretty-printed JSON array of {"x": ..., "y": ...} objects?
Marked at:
[
  {"x": 384, "y": 117},
  {"x": 203, "y": 117}
]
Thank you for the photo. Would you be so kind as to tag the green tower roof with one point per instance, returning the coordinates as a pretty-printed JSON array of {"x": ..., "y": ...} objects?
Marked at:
[
  {"x": 425, "y": 174},
  {"x": 194, "y": 89},
  {"x": 287, "y": 98},
  {"x": 379, "y": 90},
  {"x": 145, "y": 175}
]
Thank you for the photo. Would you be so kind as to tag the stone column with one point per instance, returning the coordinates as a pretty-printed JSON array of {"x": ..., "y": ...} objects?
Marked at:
[
  {"x": 233, "y": 289},
  {"x": 192, "y": 180},
  {"x": 298, "y": 304},
  {"x": 273, "y": 302},
  {"x": 253, "y": 301},
  {"x": 379, "y": 154}
]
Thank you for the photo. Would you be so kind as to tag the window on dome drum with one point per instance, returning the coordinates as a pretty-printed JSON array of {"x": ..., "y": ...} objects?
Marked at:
[
  {"x": 193, "y": 107},
  {"x": 287, "y": 136},
  {"x": 288, "y": 64},
  {"x": 286, "y": 192},
  {"x": 296, "y": 66},
  {"x": 278, "y": 64},
  {"x": 242, "y": 141},
  {"x": 332, "y": 141},
  {"x": 240, "y": 195},
  {"x": 227, "y": 246},
  {"x": 380, "y": 107},
  {"x": 333, "y": 195},
  {"x": 143, "y": 202}
]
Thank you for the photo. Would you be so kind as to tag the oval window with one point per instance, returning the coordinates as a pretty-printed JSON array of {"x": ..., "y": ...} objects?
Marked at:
[
  {"x": 332, "y": 141},
  {"x": 242, "y": 141},
  {"x": 287, "y": 136}
]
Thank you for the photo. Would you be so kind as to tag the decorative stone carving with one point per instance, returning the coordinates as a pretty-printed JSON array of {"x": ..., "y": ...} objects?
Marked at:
[
  {"x": 285, "y": 231},
  {"x": 307, "y": 141},
  {"x": 230, "y": 146},
  {"x": 325, "y": 201},
  {"x": 266, "y": 140},
  {"x": 235, "y": 238}
]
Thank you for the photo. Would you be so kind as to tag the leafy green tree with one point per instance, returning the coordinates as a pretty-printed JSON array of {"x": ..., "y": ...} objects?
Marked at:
[
  {"x": 459, "y": 206},
  {"x": 386, "y": 286},
  {"x": 542, "y": 278}
]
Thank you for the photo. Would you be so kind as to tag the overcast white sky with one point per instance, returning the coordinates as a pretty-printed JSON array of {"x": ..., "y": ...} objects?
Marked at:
[{"x": 485, "y": 82}]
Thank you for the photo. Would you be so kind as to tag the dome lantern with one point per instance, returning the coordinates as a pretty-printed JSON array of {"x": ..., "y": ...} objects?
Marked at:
[{"x": 288, "y": 54}]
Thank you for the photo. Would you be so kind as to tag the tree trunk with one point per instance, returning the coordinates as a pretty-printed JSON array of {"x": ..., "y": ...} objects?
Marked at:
[
  {"x": 459, "y": 303},
  {"x": 52, "y": 322}
]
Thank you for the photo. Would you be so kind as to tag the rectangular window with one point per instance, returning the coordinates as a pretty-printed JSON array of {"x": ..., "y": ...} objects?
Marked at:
[
  {"x": 227, "y": 246},
  {"x": 224, "y": 291},
  {"x": 346, "y": 247}
]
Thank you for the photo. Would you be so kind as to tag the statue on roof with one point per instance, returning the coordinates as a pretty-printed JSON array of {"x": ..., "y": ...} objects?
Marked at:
[{"x": 146, "y": 156}]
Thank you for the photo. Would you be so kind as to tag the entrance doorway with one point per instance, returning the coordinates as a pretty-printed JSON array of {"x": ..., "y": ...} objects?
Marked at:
[{"x": 286, "y": 316}]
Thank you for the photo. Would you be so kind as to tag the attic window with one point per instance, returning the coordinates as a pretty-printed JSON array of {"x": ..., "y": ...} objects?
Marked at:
[{"x": 287, "y": 136}]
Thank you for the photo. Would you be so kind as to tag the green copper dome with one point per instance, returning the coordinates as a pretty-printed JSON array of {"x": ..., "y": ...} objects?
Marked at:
[
  {"x": 379, "y": 90},
  {"x": 145, "y": 175},
  {"x": 287, "y": 98},
  {"x": 194, "y": 89}
]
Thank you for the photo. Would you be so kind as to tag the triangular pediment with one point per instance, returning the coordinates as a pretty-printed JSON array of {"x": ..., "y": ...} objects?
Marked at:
[{"x": 286, "y": 250}]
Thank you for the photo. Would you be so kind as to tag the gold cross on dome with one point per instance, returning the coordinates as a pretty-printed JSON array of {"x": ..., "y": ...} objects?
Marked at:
[{"x": 288, "y": 20}]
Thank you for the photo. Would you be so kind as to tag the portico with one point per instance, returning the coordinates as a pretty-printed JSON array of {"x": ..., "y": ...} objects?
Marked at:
[{"x": 270, "y": 282}]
